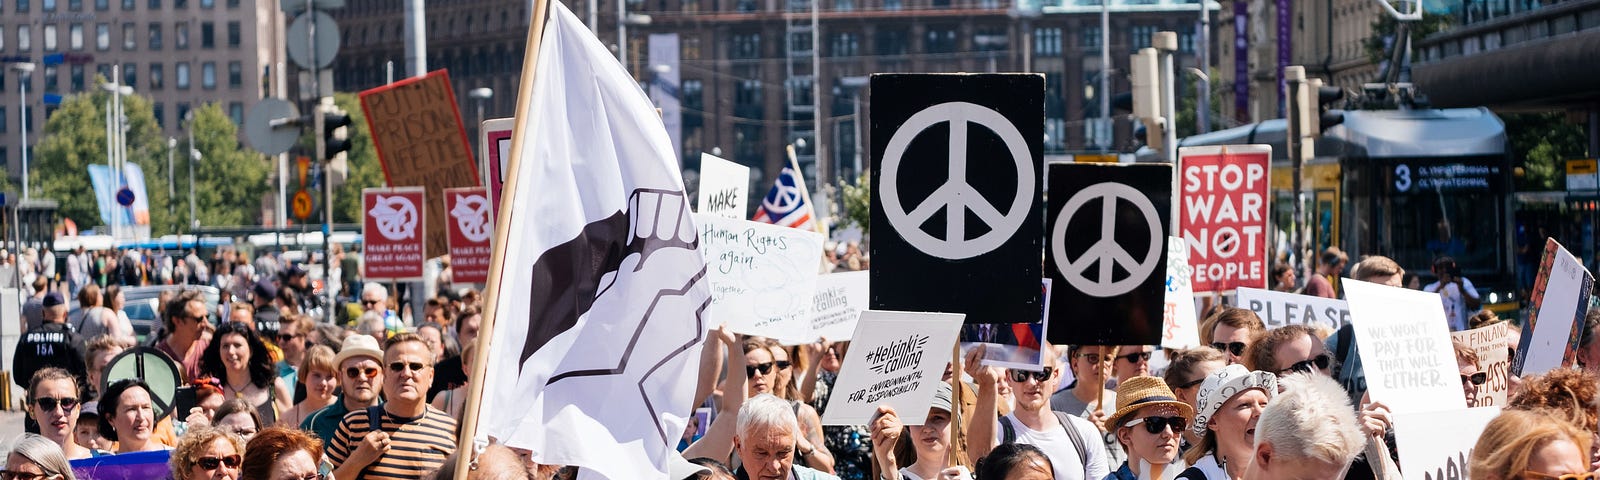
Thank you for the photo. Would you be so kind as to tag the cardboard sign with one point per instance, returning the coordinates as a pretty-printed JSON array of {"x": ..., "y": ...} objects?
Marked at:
[
  {"x": 1492, "y": 344},
  {"x": 1107, "y": 252},
  {"x": 1223, "y": 215},
  {"x": 956, "y": 194},
  {"x": 392, "y": 231},
  {"x": 1438, "y": 445},
  {"x": 762, "y": 276},
  {"x": 471, "y": 227},
  {"x": 496, "y": 145},
  {"x": 418, "y": 133},
  {"x": 837, "y": 304},
  {"x": 1013, "y": 345},
  {"x": 1405, "y": 347},
  {"x": 1279, "y": 309},
  {"x": 724, "y": 188},
  {"x": 895, "y": 359},
  {"x": 1561, "y": 293},
  {"x": 1180, "y": 327}
]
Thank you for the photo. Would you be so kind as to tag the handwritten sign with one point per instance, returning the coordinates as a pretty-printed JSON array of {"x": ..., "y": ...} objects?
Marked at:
[
  {"x": 1279, "y": 309},
  {"x": 762, "y": 276},
  {"x": 1405, "y": 347},
  {"x": 391, "y": 228},
  {"x": 1492, "y": 344},
  {"x": 1223, "y": 214},
  {"x": 895, "y": 359},
  {"x": 418, "y": 133},
  {"x": 837, "y": 304},
  {"x": 1011, "y": 345},
  {"x": 471, "y": 226},
  {"x": 1561, "y": 292},
  {"x": 724, "y": 187},
  {"x": 1438, "y": 445},
  {"x": 1180, "y": 328}
]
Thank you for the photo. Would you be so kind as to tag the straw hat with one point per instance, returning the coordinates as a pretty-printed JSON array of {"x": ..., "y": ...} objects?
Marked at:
[
  {"x": 358, "y": 346},
  {"x": 1222, "y": 385},
  {"x": 1144, "y": 391}
]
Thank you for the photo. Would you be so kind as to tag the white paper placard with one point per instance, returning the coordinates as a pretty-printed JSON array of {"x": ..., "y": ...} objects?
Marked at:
[
  {"x": 1181, "y": 327},
  {"x": 1405, "y": 347},
  {"x": 837, "y": 304},
  {"x": 762, "y": 275},
  {"x": 724, "y": 188},
  {"x": 1562, "y": 302},
  {"x": 895, "y": 359},
  {"x": 1279, "y": 309},
  {"x": 1491, "y": 344},
  {"x": 1438, "y": 445}
]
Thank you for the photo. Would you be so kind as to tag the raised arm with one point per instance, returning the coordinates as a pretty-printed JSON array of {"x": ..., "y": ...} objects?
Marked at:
[
  {"x": 980, "y": 428},
  {"x": 718, "y": 441},
  {"x": 808, "y": 378},
  {"x": 711, "y": 361}
]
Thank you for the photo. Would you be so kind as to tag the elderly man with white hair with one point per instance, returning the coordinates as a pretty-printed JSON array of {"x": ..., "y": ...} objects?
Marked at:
[
  {"x": 765, "y": 442},
  {"x": 1309, "y": 432},
  {"x": 375, "y": 299}
]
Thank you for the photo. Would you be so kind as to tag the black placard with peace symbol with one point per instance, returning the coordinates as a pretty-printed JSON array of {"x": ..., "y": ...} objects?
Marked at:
[
  {"x": 1106, "y": 252},
  {"x": 957, "y": 177}
]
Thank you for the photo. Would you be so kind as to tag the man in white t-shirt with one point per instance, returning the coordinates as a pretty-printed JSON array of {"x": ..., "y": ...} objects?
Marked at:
[
  {"x": 1454, "y": 291},
  {"x": 1072, "y": 443}
]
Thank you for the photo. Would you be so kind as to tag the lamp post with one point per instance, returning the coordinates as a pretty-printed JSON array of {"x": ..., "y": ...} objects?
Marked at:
[
  {"x": 26, "y": 69},
  {"x": 194, "y": 156},
  {"x": 172, "y": 207},
  {"x": 116, "y": 138},
  {"x": 479, "y": 96}
]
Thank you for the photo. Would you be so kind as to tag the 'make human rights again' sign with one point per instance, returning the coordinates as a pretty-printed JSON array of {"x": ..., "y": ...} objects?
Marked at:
[{"x": 1222, "y": 215}]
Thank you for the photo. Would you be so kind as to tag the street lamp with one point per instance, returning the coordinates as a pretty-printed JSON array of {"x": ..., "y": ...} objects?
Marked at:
[
  {"x": 116, "y": 143},
  {"x": 172, "y": 144},
  {"x": 194, "y": 156},
  {"x": 480, "y": 95},
  {"x": 26, "y": 69}
]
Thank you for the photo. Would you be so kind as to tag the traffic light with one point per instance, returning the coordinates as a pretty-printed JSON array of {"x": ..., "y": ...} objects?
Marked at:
[
  {"x": 335, "y": 132},
  {"x": 1326, "y": 116}
]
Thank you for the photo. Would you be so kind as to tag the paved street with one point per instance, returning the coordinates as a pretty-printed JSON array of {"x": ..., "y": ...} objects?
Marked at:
[{"x": 10, "y": 425}]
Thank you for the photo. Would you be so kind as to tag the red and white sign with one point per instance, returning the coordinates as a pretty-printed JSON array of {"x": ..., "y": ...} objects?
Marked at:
[
  {"x": 393, "y": 232},
  {"x": 1222, "y": 215},
  {"x": 471, "y": 225}
]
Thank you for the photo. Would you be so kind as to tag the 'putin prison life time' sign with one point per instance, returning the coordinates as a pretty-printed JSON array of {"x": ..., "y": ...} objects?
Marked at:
[
  {"x": 417, "y": 131},
  {"x": 1223, "y": 215}
]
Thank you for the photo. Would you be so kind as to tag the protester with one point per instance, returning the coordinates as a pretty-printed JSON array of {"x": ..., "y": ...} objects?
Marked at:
[
  {"x": 762, "y": 372},
  {"x": 279, "y": 453},
  {"x": 1148, "y": 423},
  {"x": 263, "y": 310},
  {"x": 238, "y": 416},
  {"x": 1457, "y": 294},
  {"x": 454, "y": 401},
  {"x": 53, "y": 344},
  {"x": 1380, "y": 270},
  {"x": 1131, "y": 361},
  {"x": 87, "y": 434},
  {"x": 1231, "y": 401},
  {"x": 1324, "y": 283},
  {"x": 183, "y": 319},
  {"x": 359, "y": 361},
  {"x": 1588, "y": 349},
  {"x": 128, "y": 416},
  {"x": 238, "y": 357},
  {"x": 53, "y": 404},
  {"x": 117, "y": 302},
  {"x": 291, "y": 340},
  {"x": 495, "y": 462},
  {"x": 321, "y": 382},
  {"x": 784, "y": 384},
  {"x": 433, "y": 335},
  {"x": 405, "y": 438},
  {"x": 206, "y": 453},
  {"x": 1289, "y": 349},
  {"x": 1565, "y": 394},
  {"x": 1307, "y": 433},
  {"x": 375, "y": 298},
  {"x": 768, "y": 441},
  {"x": 1283, "y": 278},
  {"x": 34, "y": 457},
  {"x": 1187, "y": 368},
  {"x": 923, "y": 449},
  {"x": 1530, "y": 444},
  {"x": 94, "y": 319},
  {"x": 208, "y": 398},
  {"x": 1471, "y": 378},
  {"x": 1230, "y": 330},
  {"x": 1017, "y": 461},
  {"x": 33, "y": 308},
  {"x": 1087, "y": 396},
  {"x": 1073, "y": 444},
  {"x": 97, "y": 354},
  {"x": 449, "y": 373}
]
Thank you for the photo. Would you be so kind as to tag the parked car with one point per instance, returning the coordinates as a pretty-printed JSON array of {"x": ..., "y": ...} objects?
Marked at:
[{"x": 143, "y": 310}]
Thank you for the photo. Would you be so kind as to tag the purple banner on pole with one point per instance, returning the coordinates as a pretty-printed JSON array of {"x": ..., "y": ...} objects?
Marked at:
[
  {"x": 127, "y": 466},
  {"x": 1241, "y": 61},
  {"x": 1285, "y": 49}
]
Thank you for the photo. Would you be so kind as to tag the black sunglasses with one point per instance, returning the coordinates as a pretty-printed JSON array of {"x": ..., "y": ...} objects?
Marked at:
[
  {"x": 48, "y": 404},
  {"x": 1236, "y": 348},
  {"x": 1476, "y": 379},
  {"x": 1136, "y": 357},
  {"x": 15, "y": 475},
  {"x": 1021, "y": 376},
  {"x": 1188, "y": 384},
  {"x": 211, "y": 463},
  {"x": 1321, "y": 362},
  {"x": 398, "y": 367},
  {"x": 764, "y": 368},
  {"x": 1157, "y": 424},
  {"x": 782, "y": 364}
]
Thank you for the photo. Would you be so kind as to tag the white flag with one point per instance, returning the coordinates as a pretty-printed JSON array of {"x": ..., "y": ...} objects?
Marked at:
[{"x": 601, "y": 302}]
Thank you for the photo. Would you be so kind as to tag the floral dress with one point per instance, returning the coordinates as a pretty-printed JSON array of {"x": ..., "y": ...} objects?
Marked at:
[{"x": 851, "y": 444}]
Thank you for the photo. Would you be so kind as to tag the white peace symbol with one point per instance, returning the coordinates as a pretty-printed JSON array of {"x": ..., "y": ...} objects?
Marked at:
[
  {"x": 787, "y": 200},
  {"x": 956, "y": 196},
  {"x": 1106, "y": 251},
  {"x": 472, "y": 217},
  {"x": 396, "y": 217}
]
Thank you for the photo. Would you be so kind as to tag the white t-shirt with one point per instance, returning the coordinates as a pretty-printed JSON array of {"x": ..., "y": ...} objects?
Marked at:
[
  {"x": 1455, "y": 305},
  {"x": 1058, "y": 446}
]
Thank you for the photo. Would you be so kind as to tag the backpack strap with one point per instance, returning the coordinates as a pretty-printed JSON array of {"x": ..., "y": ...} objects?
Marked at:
[
  {"x": 1075, "y": 435},
  {"x": 374, "y": 418},
  {"x": 1008, "y": 434}
]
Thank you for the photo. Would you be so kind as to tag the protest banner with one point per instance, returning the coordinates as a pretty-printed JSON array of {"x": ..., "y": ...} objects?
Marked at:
[
  {"x": 837, "y": 304},
  {"x": 126, "y": 466},
  {"x": 496, "y": 146},
  {"x": 895, "y": 359},
  {"x": 1279, "y": 309},
  {"x": 1561, "y": 297},
  {"x": 1492, "y": 344},
  {"x": 1438, "y": 445},
  {"x": 418, "y": 133},
  {"x": 1107, "y": 252},
  {"x": 1015, "y": 345},
  {"x": 391, "y": 229},
  {"x": 471, "y": 225},
  {"x": 1405, "y": 347},
  {"x": 762, "y": 276},
  {"x": 1223, "y": 215},
  {"x": 724, "y": 188},
  {"x": 1180, "y": 327}
]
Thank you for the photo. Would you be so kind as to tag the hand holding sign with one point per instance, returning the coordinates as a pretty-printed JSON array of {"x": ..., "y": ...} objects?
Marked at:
[{"x": 895, "y": 359}]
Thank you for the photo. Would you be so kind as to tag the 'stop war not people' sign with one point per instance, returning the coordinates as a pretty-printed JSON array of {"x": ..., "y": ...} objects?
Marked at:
[
  {"x": 416, "y": 128},
  {"x": 956, "y": 171},
  {"x": 1223, "y": 215},
  {"x": 1107, "y": 252}
]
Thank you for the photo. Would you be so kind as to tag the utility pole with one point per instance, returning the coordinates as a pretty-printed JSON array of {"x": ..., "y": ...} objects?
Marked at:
[
  {"x": 1203, "y": 87},
  {"x": 194, "y": 156},
  {"x": 1105, "y": 77},
  {"x": 1294, "y": 77}
]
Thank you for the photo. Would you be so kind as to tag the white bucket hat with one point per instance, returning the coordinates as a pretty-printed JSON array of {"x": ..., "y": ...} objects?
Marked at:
[{"x": 1222, "y": 385}]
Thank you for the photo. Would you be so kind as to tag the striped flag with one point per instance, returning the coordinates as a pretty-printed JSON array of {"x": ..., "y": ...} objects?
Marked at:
[{"x": 787, "y": 203}]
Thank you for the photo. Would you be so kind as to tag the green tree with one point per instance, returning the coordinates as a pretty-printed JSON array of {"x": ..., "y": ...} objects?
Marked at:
[
  {"x": 858, "y": 203},
  {"x": 1187, "y": 107},
  {"x": 76, "y": 138},
  {"x": 1377, "y": 44},
  {"x": 230, "y": 180},
  {"x": 365, "y": 170},
  {"x": 1540, "y": 144}
]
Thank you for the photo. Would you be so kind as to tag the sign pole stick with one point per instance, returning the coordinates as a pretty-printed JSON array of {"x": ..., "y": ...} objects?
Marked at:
[
  {"x": 955, "y": 402},
  {"x": 1100, "y": 390}
]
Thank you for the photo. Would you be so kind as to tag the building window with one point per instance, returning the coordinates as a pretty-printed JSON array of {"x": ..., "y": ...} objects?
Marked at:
[
  {"x": 208, "y": 75},
  {"x": 155, "y": 5},
  {"x": 75, "y": 37},
  {"x": 183, "y": 75},
  {"x": 747, "y": 93},
  {"x": 3, "y": 119},
  {"x": 747, "y": 144},
  {"x": 48, "y": 5},
  {"x": 128, "y": 40},
  {"x": 49, "y": 38},
  {"x": 1186, "y": 39},
  {"x": 127, "y": 4},
  {"x": 233, "y": 35},
  {"x": 22, "y": 6},
  {"x": 76, "y": 72},
  {"x": 157, "y": 76},
  {"x": 1089, "y": 38},
  {"x": 890, "y": 41},
  {"x": 844, "y": 5},
  {"x": 51, "y": 84},
  {"x": 233, "y": 3},
  {"x": 693, "y": 95},
  {"x": 2, "y": 38},
  {"x": 1047, "y": 42},
  {"x": 1140, "y": 35},
  {"x": 183, "y": 112},
  {"x": 940, "y": 39},
  {"x": 746, "y": 46},
  {"x": 844, "y": 45},
  {"x": 102, "y": 5},
  {"x": 891, "y": 4},
  {"x": 208, "y": 3},
  {"x": 102, "y": 37},
  {"x": 236, "y": 112},
  {"x": 160, "y": 112},
  {"x": 24, "y": 37},
  {"x": 155, "y": 36},
  {"x": 103, "y": 70},
  {"x": 75, "y": 5},
  {"x": 235, "y": 75},
  {"x": 181, "y": 35},
  {"x": 991, "y": 39},
  {"x": 208, "y": 35},
  {"x": 180, "y": 4},
  {"x": 691, "y": 48},
  {"x": 130, "y": 75}
]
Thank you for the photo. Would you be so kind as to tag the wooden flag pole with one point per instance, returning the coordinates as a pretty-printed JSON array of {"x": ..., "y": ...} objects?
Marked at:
[
  {"x": 466, "y": 450},
  {"x": 955, "y": 405},
  {"x": 800, "y": 179}
]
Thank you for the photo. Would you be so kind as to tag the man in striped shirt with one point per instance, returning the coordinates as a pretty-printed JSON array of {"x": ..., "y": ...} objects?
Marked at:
[{"x": 412, "y": 438}]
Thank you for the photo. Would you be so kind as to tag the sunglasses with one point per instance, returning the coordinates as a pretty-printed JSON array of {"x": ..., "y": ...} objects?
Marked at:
[
  {"x": 285, "y": 338},
  {"x": 48, "y": 404},
  {"x": 1157, "y": 424},
  {"x": 371, "y": 302},
  {"x": 1094, "y": 357},
  {"x": 1021, "y": 376},
  {"x": 1570, "y": 476},
  {"x": 1188, "y": 384},
  {"x": 782, "y": 364},
  {"x": 15, "y": 475},
  {"x": 1320, "y": 362},
  {"x": 764, "y": 368},
  {"x": 1235, "y": 348},
  {"x": 1476, "y": 378},
  {"x": 398, "y": 367},
  {"x": 362, "y": 373},
  {"x": 211, "y": 463},
  {"x": 1136, "y": 357}
]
